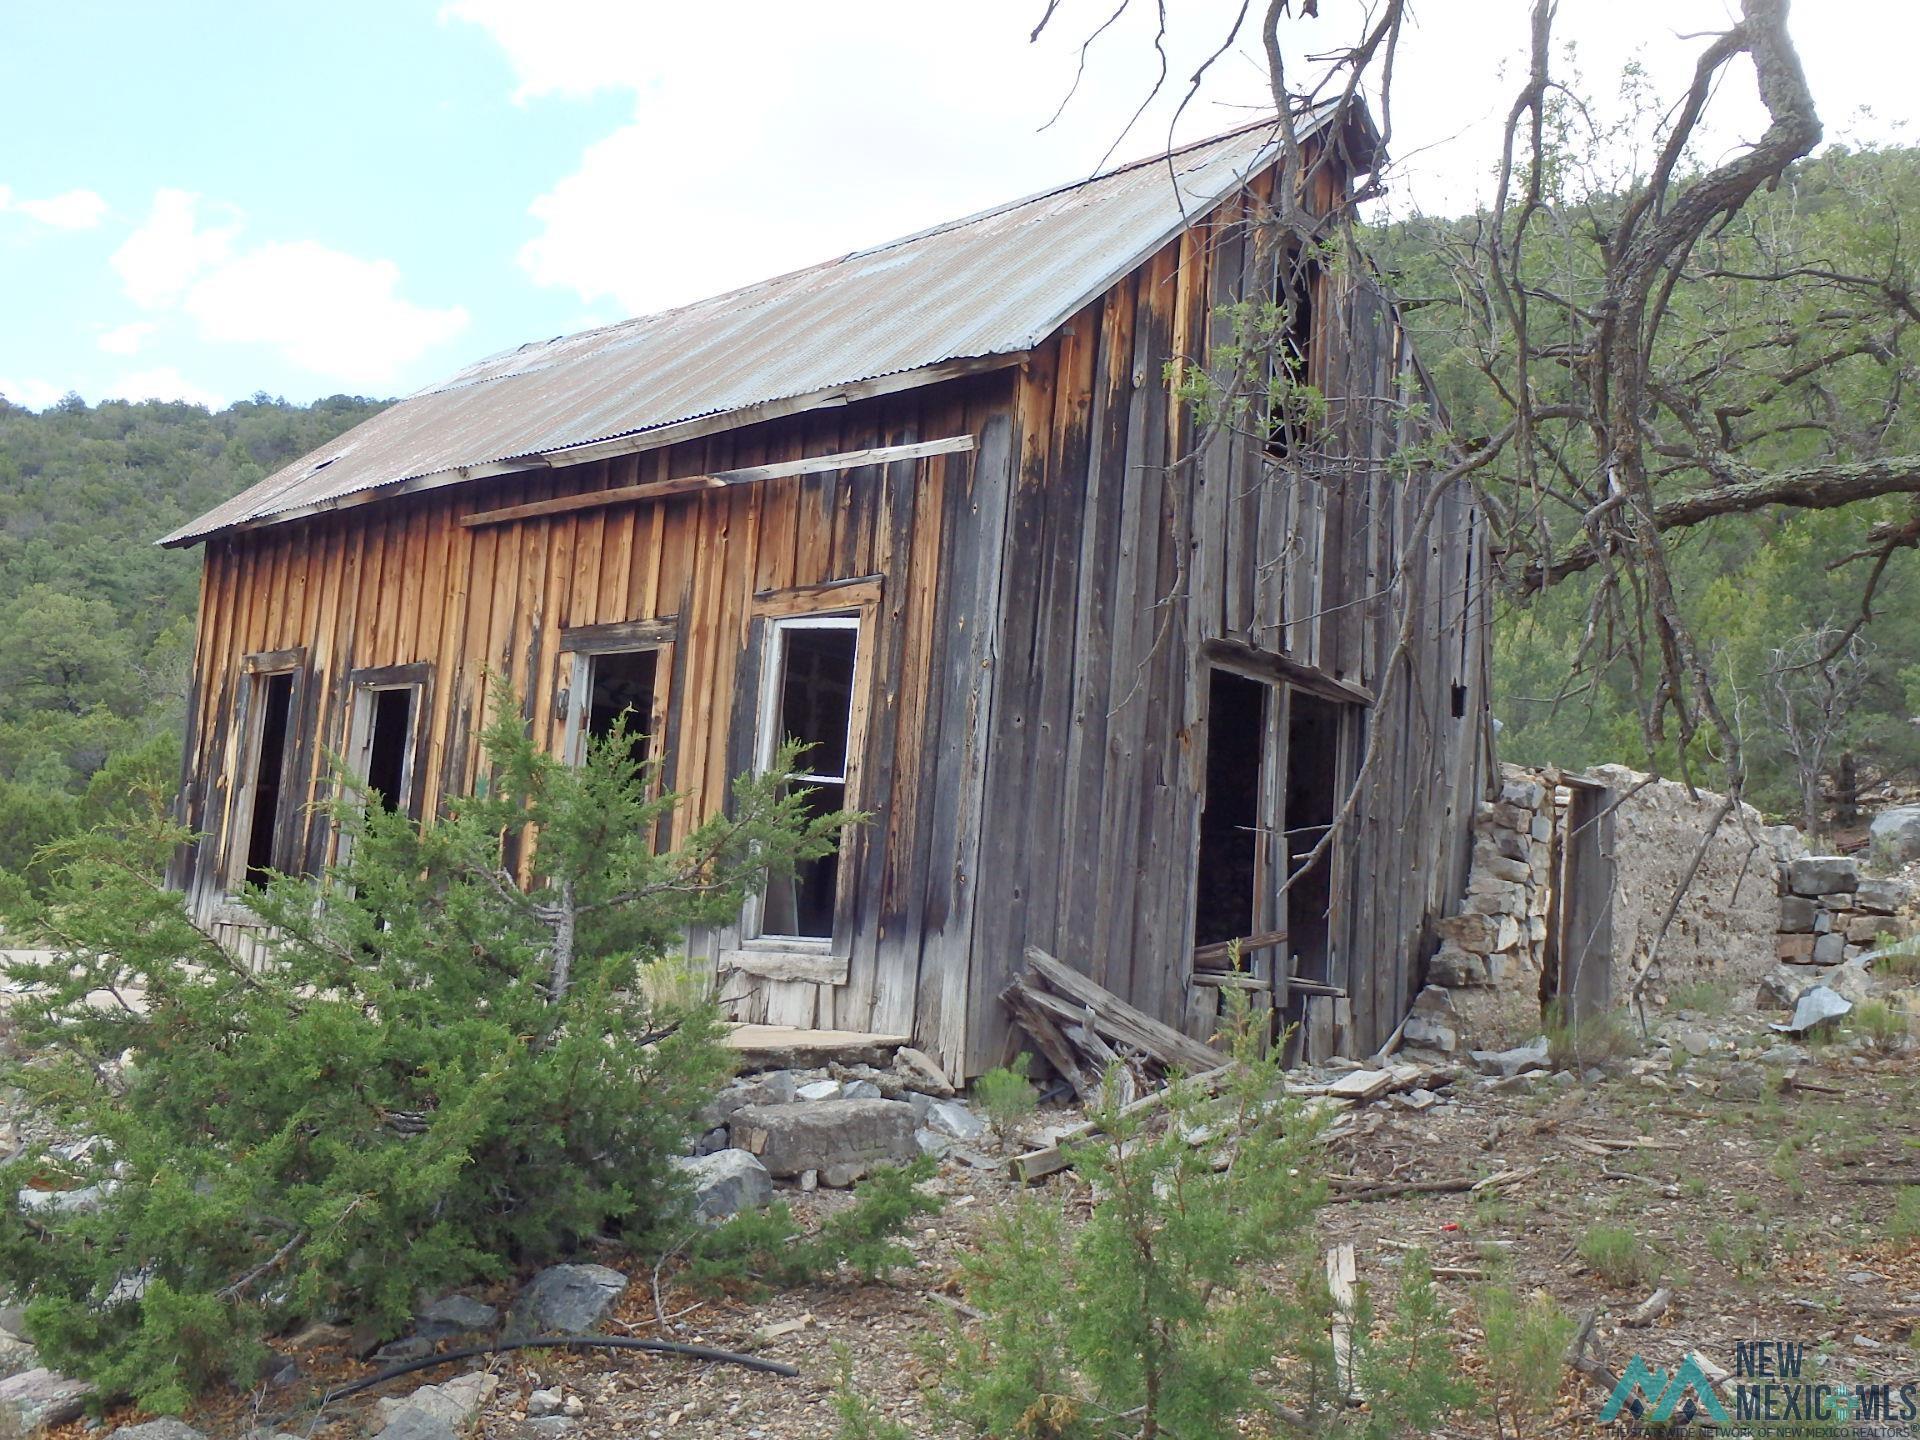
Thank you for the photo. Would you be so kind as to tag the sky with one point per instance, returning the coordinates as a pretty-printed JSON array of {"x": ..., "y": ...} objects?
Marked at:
[{"x": 203, "y": 201}]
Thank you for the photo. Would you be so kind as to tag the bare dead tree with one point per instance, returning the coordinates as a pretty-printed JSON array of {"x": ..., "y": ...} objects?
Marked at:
[{"x": 1813, "y": 682}]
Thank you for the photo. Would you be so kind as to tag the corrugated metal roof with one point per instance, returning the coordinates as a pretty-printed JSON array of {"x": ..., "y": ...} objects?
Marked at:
[{"x": 993, "y": 284}]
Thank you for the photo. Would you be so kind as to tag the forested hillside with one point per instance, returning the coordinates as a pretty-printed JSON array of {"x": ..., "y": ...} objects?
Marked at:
[
  {"x": 1783, "y": 367},
  {"x": 96, "y": 621}
]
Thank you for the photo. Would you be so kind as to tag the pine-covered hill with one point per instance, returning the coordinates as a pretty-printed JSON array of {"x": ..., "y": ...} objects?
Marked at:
[
  {"x": 95, "y": 619},
  {"x": 1750, "y": 584}
]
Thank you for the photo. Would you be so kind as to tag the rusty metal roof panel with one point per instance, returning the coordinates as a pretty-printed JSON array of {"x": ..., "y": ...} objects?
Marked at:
[{"x": 993, "y": 284}]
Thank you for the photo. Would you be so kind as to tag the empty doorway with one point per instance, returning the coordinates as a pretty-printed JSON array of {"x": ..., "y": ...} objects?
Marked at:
[{"x": 1231, "y": 865}]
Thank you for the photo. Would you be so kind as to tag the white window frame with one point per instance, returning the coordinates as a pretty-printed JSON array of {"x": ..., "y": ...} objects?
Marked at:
[{"x": 767, "y": 744}]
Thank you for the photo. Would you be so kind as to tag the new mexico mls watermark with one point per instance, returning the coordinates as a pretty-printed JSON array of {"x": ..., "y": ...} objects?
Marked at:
[{"x": 1770, "y": 1392}]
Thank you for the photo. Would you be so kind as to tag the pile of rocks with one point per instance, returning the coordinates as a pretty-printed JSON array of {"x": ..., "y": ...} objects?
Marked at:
[
  {"x": 827, "y": 1126},
  {"x": 1830, "y": 914}
]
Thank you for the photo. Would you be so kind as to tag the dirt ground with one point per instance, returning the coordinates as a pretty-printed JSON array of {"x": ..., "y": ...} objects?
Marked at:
[{"x": 1757, "y": 1192}]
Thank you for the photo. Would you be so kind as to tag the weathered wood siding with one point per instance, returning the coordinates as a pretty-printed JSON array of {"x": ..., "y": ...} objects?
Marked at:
[
  {"x": 1129, "y": 550},
  {"x": 1047, "y": 608},
  {"x": 402, "y": 581}
]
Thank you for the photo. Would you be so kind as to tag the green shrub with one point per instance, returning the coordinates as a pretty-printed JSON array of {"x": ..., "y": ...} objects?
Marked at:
[
  {"x": 771, "y": 1249},
  {"x": 1905, "y": 1224},
  {"x": 1898, "y": 958},
  {"x": 1879, "y": 1024},
  {"x": 1618, "y": 1256},
  {"x": 1159, "y": 1313},
  {"x": 1524, "y": 1353},
  {"x": 1409, "y": 1375},
  {"x": 1577, "y": 1045},
  {"x": 439, "y": 1076},
  {"x": 1008, "y": 1099}
]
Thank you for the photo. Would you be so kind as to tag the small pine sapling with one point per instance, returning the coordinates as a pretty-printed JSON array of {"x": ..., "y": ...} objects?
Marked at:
[{"x": 1007, "y": 1098}]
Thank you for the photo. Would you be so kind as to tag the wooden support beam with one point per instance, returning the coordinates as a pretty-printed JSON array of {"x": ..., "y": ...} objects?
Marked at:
[
  {"x": 1119, "y": 1021},
  {"x": 1205, "y": 956},
  {"x": 719, "y": 480}
]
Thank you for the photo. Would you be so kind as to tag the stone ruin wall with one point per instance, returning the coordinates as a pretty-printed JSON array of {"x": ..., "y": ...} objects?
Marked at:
[{"x": 1758, "y": 899}]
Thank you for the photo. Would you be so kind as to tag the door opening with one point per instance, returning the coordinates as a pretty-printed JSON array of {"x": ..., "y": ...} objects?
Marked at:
[
  {"x": 275, "y": 695},
  {"x": 1231, "y": 849},
  {"x": 1313, "y": 789}
]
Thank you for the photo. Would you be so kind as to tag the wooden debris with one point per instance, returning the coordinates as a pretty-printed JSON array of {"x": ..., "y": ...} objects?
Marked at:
[
  {"x": 1067, "y": 997},
  {"x": 1649, "y": 1309},
  {"x": 1049, "y": 1159},
  {"x": 1342, "y": 1273}
]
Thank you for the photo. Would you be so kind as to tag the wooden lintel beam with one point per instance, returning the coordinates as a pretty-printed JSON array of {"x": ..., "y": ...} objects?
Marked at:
[
  {"x": 719, "y": 480},
  {"x": 1269, "y": 666}
]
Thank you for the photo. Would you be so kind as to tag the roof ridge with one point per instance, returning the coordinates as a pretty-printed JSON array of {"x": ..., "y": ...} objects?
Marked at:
[{"x": 459, "y": 379}]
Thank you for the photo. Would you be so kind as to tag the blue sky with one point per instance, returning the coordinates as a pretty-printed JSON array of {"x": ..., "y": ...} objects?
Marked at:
[{"x": 203, "y": 200}]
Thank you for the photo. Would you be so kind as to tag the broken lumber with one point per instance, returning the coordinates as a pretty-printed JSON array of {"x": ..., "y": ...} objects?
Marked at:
[
  {"x": 1117, "y": 1022},
  {"x": 1648, "y": 1310},
  {"x": 1342, "y": 1274},
  {"x": 1049, "y": 1159}
]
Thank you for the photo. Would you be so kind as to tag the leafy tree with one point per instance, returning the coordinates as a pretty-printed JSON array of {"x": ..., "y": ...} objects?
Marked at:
[{"x": 448, "y": 1067}]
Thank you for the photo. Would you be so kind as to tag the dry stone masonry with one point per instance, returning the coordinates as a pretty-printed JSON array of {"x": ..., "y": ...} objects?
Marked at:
[{"x": 1758, "y": 898}]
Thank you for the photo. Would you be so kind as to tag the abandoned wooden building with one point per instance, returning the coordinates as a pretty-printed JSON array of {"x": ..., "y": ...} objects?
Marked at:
[{"x": 938, "y": 507}]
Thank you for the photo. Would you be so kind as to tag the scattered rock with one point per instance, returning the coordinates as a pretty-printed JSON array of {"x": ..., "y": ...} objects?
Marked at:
[
  {"x": 819, "y": 1090},
  {"x": 1851, "y": 981},
  {"x": 165, "y": 1428},
  {"x": 39, "y": 1399},
  {"x": 16, "y": 1355},
  {"x": 1895, "y": 835},
  {"x": 1818, "y": 1006},
  {"x": 1517, "y": 1061},
  {"x": 774, "y": 1087},
  {"x": 543, "y": 1402},
  {"x": 437, "y": 1410},
  {"x": 84, "y": 1201},
  {"x": 408, "y": 1347},
  {"x": 1824, "y": 874},
  {"x": 792, "y": 1139},
  {"x": 954, "y": 1120},
  {"x": 547, "y": 1427},
  {"x": 861, "y": 1090},
  {"x": 566, "y": 1300},
  {"x": 1743, "y": 1082},
  {"x": 455, "y": 1315},
  {"x": 1780, "y": 989},
  {"x": 922, "y": 1072},
  {"x": 1693, "y": 1040},
  {"x": 726, "y": 1183}
]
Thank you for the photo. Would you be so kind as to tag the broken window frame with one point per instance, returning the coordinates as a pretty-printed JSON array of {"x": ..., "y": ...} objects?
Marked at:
[
  {"x": 258, "y": 671},
  {"x": 581, "y": 647},
  {"x": 847, "y": 605},
  {"x": 366, "y": 687},
  {"x": 1295, "y": 348}
]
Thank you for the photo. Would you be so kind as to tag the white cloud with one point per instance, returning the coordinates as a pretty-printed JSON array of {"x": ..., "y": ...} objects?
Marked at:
[
  {"x": 329, "y": 312},
  {"x": 337, "y": 315},
  {"x": 160, "y": 259},
  {"x": 127, "y": 339},
  {"x": 163, "y": 383},
  {"x": 69, "y": 210},
  {"x": 767, "y": 135},
  {"x": 72, "y": 210},
  {"x": 33, "y": 394}
]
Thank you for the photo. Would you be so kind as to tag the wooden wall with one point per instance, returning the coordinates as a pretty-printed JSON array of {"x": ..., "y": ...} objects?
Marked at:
[
  {"x": 1140, "y": 554},
  {"x": 1048, "y": 604},
  {"x": 402, "y": 581}
]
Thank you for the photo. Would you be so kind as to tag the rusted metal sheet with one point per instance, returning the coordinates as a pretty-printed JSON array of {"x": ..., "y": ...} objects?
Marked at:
[{"x": 995, "y": 284}]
